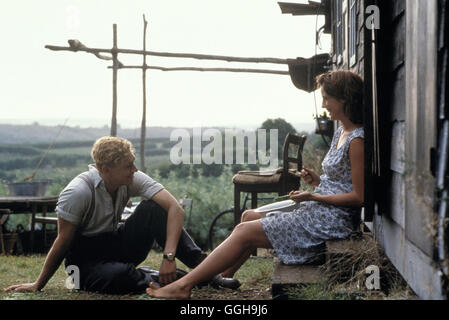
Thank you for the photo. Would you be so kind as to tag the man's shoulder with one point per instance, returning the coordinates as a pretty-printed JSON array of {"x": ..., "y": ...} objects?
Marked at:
[
  {"x": 144, "y": 186},
  {"x": 78, "y": 187},
  {"x": 141, "y": 177}
]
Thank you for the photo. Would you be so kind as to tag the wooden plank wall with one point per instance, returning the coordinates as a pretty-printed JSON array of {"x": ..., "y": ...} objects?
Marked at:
[
  {"x": 421, "y": 116},
  {"x": 391, "y": 92},
  {"x": 406, "y": 96},
  {"x": 406, "y": 110}
]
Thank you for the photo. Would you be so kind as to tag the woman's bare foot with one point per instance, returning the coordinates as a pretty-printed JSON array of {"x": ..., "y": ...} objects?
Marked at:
[{"x": 171, "y": 291}]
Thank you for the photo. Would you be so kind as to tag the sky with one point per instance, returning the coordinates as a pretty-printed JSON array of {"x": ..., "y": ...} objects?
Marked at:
[{"x": 37, "y": 84}]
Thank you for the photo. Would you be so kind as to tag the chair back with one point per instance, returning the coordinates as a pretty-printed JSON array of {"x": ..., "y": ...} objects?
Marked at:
[{"x": 292, "y": 159}]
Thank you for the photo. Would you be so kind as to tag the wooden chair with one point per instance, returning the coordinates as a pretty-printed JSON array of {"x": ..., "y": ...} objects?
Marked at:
[
  {"x": 281, "y": 181},
  {"x": 44, "y": 220}
]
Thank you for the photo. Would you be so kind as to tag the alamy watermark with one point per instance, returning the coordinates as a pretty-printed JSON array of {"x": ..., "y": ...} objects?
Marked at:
[
  {"x": 373, "y": 20},
  {"x": 190, "y": 150},
  {"x": 372, "y": 281},
  {"x": 73, "y": 281}
]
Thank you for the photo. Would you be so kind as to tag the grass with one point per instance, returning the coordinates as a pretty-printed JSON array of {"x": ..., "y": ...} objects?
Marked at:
[{"x": 255, "y": 276}]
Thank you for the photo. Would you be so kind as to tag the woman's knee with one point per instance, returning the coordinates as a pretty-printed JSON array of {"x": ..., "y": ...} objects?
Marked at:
[
  {"x": 246, "y": 235},
  {"x": 250, "y": 215},
  {"x": 252, "y": 235}
]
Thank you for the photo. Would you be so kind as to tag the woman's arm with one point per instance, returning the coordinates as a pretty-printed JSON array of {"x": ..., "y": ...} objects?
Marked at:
[{"x": 352, "y": 199}]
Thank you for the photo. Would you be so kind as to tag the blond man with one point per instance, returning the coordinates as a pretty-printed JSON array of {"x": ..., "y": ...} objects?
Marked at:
[{"x": 106, "y": 251}]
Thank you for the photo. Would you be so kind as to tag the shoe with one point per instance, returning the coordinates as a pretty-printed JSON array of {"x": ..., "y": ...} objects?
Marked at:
[
  {"x": 154, "y": 274},
  {"x": 229, "y": 283}
]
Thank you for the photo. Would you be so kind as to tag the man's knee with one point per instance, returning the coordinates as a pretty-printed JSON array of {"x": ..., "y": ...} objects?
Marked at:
[
  {"x": 148, "y": 213},
  {"x": 149, "y": 206}
]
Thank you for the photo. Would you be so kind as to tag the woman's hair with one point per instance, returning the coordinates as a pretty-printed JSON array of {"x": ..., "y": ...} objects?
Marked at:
[
  {"x": 347, "y": 86},
  {"x": 111, "y": 150}
]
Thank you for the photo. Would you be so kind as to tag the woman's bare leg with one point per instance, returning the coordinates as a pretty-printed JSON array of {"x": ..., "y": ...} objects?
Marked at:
[
  {"x": 246, "y": 236},
  {"x": 229, "y": 272},
  {"x": 248, "y": 215}
]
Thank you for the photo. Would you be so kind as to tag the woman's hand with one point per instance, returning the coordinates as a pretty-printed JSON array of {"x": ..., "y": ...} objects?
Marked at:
[
  {"x": 299, "y": 196},
  {"x": 25, "y": 287},
  {"x": 309, "y": 176}
]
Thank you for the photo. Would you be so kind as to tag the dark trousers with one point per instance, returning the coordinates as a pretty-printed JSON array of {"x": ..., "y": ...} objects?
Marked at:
[{"x": 107, "y": 262}]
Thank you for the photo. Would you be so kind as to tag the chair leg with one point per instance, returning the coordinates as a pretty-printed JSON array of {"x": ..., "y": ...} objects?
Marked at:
[
  {"x": 253, "y": 200},
  {"x": 254, "y": 206},
  {"x": 237, "y": 212}
]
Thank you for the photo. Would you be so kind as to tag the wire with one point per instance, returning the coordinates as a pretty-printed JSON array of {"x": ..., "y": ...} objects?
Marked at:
[
  {"x": 29, "y": 178},
  {"x": 317, "y": 41}
]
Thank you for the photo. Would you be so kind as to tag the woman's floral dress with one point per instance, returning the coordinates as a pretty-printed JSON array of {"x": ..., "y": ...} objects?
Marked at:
[{"x": 298, "y": 236}]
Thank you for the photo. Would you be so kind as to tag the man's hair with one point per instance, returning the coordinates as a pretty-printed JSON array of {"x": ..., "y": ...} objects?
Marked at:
[
  {"x": 111, "y": 150},
  {"x": 347, "y": 86}
]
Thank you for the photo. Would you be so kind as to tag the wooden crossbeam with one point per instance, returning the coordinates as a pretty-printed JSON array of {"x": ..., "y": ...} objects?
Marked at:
[
  {"x": 97, "y": 51},
  {"x": 76, "y": 45},
  {"x": 207, "y": 69}
]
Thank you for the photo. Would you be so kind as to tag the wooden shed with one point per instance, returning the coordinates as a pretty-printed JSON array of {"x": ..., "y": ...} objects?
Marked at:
[{"x": 400, "y": 48}]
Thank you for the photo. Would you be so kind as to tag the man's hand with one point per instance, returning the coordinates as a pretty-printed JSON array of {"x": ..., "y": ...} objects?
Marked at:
[
  {"x": 167, "y": 272},
  {"x": 24, "y": 287},
  {"x": 66, "y": 233},
  {"x": 299, "y": 196},
  {"x": 175, "y": 219}
]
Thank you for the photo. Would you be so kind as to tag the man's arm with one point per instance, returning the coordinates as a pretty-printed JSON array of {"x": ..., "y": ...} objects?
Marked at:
[
  {"x": 175, "y": 220},
  {"x": 66, "y": 233}
]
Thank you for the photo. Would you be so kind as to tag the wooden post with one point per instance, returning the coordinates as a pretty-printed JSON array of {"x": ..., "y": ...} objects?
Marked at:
[
  {"x": 144, "y": 107},
  {"x": 114, "y": 83},
  {"x": 33, "y": 222},
  {"x": 44, "y": 225}
]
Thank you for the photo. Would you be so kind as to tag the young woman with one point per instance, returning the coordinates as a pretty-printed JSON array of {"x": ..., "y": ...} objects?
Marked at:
[{"x": 328, "y": 213}]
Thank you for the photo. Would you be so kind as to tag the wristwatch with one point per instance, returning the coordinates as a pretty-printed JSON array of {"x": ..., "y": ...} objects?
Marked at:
[{"x": 170, "y": 256}]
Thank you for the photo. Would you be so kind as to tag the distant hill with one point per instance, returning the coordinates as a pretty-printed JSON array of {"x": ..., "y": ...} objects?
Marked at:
[
  {"x": 35, "y": 133},
  {"x": 40, "y": 133}
]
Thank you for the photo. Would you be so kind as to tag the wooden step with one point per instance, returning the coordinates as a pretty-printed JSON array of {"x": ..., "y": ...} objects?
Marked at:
[
  {"x": 286, "y": 276},
  {"x": 335, "y": 249}
]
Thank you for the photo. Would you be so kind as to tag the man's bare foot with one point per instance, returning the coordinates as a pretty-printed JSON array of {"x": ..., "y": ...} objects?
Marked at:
[{"x": 171, "y": 291}]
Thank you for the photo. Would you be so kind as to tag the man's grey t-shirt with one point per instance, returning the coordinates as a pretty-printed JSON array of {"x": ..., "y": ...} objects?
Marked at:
[{"x": 74, "y": 201}]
